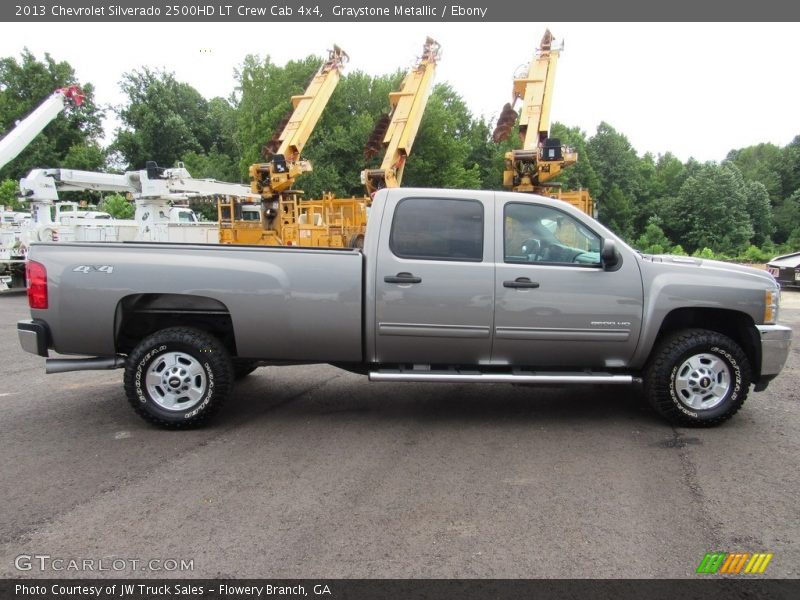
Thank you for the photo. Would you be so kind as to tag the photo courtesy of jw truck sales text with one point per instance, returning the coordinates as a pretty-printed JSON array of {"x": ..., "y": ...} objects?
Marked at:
[
  {"x": 150, "y": 590},
  {"x": 457, "y": 286}
]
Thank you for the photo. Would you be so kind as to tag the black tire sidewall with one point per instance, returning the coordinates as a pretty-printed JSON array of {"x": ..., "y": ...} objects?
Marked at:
[{"x": 728, "y": 355}]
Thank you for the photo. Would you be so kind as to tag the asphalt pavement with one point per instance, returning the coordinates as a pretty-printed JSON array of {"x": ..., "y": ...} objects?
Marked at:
[{"x": 313, "y": 472}]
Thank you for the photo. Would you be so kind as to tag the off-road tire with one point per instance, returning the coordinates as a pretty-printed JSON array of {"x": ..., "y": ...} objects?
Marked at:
[
  {"x": 671, "y": 353},
  {"x": 204, "y": 353}
]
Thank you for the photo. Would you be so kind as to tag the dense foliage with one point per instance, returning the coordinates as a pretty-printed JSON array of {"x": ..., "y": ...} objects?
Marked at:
[
  {"x": 746, "y": 207},
  {"x": 117, "y": 206}
]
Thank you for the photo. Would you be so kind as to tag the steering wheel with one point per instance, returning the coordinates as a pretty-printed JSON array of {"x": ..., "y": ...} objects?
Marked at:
[{"x": 531, "y": 247}]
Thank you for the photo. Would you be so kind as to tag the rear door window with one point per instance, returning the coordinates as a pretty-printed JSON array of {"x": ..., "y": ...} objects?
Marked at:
[{"x": 438, "y": 229}]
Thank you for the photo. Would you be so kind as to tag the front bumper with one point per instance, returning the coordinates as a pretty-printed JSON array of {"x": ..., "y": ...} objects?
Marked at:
[
  {"x": 33, "y": 337},
  {"x": 775, "y": 343}
]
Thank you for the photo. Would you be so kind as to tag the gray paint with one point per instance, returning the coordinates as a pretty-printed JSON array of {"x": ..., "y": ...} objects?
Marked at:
[
  {"x": 292, "y": 304},
  {"x": 675, "y": 282},
  {"x": 445, "y": 319},
  {"x": 579, "y": 316}
]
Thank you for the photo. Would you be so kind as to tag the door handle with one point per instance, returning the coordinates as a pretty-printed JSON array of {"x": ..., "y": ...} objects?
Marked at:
[
  {"x": 402, "y": 278},
  {"x": 521, "y": 282}
]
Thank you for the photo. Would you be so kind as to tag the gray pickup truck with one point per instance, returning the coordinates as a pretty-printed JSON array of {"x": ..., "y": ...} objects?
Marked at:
[{"x": 451, "y": 286}]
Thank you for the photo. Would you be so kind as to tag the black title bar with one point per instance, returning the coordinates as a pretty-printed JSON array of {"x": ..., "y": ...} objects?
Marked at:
[{"x": 301, "y": 11}]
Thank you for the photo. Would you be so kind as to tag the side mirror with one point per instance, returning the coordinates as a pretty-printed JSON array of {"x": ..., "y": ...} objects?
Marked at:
[{"x": 608, "y": 255}]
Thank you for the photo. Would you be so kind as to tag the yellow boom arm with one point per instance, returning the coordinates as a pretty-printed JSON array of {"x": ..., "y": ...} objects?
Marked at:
[
  {"x": 271, "y": 178},
  {"x": 541, "y": 158},
  {"x": 401, "y": 125},
  {"x": 536, "y": 90}
]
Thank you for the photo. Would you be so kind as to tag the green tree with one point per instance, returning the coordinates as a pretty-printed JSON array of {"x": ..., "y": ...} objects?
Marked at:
[
  {"x": 118, "y": 206},
  {"x": 704, "y": 252},
  {"x": 206, "y": 210},
  {"x": 789, "y": 167},
  {"x": 163, "y": 119},
  {"x": 263, "y": 98},
  {"x": 9, "y": 195},
  {"x": 582, "y": 174},
  {"x": 87, "y": 157},
  {"x": 787, "y": 220},
  {"x": 71, "y": 138},
  {"x": 669, "y": 176},
  {"x": 761, "y": 163},
  {"x": 442, "y": 148},
  {"x": 212, "y": 165},
  {"x": 486, "y": 155},
  {"x": 759, "y": 210},
  {"x": 617, "y": 166},
  {"x": 754, "y": 254},
  {"x": 221, "y": 159},
  {"x": 336, "y": 148},
  {"x": 616, "y": 212},
  {"x": 710, "y": 211},
  {"x": 653, "y": 240}
]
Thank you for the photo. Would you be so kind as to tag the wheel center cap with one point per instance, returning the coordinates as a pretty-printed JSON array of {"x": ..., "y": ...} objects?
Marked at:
[
  {"x": 174, "y": 382},
  {"x": 705, "y": 382}
]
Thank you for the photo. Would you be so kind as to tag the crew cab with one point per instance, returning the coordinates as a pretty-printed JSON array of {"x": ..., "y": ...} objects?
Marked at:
[{"x": 451, "y": 286}]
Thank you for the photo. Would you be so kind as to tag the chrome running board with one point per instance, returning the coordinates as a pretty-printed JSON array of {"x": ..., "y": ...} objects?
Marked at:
[{"x": 471, "y": 376}]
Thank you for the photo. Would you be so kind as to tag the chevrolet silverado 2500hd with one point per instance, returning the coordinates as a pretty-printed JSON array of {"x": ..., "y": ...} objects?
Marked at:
[{"x": 451, "y": 286}]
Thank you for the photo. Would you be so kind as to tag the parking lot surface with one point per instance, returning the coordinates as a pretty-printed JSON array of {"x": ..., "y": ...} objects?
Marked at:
[{"x": 315, "y": 472}]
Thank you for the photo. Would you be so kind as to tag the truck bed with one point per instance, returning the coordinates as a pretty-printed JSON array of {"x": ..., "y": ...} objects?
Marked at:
[{"x": 284, "y": 303}]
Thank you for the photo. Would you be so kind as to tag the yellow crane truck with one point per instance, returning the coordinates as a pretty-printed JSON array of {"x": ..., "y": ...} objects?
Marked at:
[
  {"x": 541, "y": 159},
  {"x": 275, "y": 219},
  {"x": 399, "y": 127},
  {"x": 339, "y": 222},
  {"x": 284, "y": 217}
]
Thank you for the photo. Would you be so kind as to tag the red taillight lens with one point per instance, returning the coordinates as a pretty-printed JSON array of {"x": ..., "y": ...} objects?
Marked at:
[{"x": 36, "y": 275}]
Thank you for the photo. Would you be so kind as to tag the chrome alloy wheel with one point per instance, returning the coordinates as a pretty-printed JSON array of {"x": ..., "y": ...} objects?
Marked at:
[
  {"x": 702, "y": 381},
  {"x": 176, "y": 381}
]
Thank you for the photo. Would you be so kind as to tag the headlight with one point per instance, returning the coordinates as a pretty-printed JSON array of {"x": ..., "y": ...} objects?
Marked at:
[{"x": 771, "y": 302}]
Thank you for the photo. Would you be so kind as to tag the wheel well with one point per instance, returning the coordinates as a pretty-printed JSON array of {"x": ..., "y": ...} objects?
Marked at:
[
  {"x": 736, "y": 325},
  {"x": 139, "y": 315}
]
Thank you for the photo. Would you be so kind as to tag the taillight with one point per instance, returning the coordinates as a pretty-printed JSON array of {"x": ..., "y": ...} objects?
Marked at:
[{"x": 36, "y": 275}]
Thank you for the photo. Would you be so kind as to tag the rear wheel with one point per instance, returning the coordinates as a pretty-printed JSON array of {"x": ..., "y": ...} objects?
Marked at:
[
  {"x": 178, "y": 377},
  {"x": 697, "y": 378}
]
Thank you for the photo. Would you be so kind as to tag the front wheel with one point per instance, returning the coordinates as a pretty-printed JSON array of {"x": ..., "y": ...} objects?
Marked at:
[
  {"x": 178, "y": 377},
  {"x": 697, "y": 378}
]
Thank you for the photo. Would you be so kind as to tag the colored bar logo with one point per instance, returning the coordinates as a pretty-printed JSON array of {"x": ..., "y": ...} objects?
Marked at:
[{"x": 734, "y": 563}]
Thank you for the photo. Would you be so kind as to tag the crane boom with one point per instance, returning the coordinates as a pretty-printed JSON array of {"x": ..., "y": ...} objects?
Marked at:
[
  {"x": 536, "y": 90},
  {"x": 308, "y": 107},
  {"x": 43, "y": 185},
  {"x": 407, "y": 107},
  {"x": 152, "y": 189},
  {"x": 32, "y": 125},
  {"x": 541, "y": 158},
  {"x": 284, "y": 151}
]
